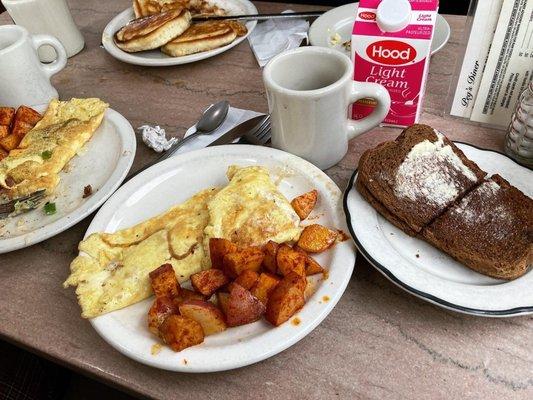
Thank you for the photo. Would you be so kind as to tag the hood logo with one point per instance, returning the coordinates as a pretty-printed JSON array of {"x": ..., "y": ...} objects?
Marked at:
[
  {"x": 391, "y": 52},
  {"x": 367, "y": 15}
]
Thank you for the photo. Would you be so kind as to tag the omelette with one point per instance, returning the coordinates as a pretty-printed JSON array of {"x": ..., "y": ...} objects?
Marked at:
[
  {"x": 112, "y": 269},
  {"x": 35, "y": 165},
  {"x": 251, "y": 210}
]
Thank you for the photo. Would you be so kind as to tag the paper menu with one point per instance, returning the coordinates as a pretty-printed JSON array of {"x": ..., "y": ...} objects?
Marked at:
[
  {"x": 481, "y": 34},
  {"x": 509, "y": 67}
]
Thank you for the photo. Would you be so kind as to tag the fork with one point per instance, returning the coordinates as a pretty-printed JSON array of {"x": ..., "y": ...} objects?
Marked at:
[
  {"x": 32, "y": 201},
  {"x": 259, "y": 136}
]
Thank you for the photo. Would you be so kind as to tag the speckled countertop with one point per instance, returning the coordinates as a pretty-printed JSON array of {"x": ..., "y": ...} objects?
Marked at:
[{"x": 379, "y": 342}]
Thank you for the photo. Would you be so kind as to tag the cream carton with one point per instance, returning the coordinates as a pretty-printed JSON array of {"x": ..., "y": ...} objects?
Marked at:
[{"x": 391, "y": 45}]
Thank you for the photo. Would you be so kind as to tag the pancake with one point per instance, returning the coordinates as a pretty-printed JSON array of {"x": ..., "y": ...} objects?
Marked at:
[
  {"x": 250, "y": 210},
  {"x": 143, "y": 8},
  {"x": 203, "y": 36},
  {"x": 44, "y": 151},
  {"x": 112, "y": 269},
  {"x": 153, "y": 31}
]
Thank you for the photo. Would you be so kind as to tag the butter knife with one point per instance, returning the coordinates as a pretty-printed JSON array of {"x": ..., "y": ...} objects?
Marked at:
[{"x": 258, "y": 17}]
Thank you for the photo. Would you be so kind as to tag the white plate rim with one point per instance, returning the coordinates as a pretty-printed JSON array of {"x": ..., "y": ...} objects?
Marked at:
[
  {"x": 341, "y": 273},
  {"x": 316, "y": 30},
  {"x": 134, "y": 58},
  {"x": 388, "y": 272},
  {"x": 124, "y": 163}
]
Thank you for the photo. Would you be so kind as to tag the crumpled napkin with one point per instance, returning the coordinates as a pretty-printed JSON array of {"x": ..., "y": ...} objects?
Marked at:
[
  {"x": 235, "y": 117},
  {"x": 274, "y": 36}
]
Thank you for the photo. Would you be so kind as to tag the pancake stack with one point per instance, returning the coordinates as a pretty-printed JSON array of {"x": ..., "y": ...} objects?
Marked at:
[{"x": 167, "y": 24}]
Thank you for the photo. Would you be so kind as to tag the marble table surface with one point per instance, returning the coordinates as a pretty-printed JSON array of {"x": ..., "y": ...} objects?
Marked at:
[{"x": 378, "y": 343}]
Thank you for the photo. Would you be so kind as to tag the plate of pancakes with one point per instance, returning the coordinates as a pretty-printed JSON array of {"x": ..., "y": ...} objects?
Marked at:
[
  {"x": 238, "y": 190},
  {"x": 163, "y": 32}
]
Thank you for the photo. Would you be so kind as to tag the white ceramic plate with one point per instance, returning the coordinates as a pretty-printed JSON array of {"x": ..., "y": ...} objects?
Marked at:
[
  {"x": 156, "y": 58},
  {"x": 103, "y": 163},
  {"x": 434, "y": 276},
  {"x": 340, "y": 20},
  {"x": 172, "y": 182}
]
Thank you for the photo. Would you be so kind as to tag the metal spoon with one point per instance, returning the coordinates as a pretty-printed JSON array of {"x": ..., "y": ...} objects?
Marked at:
[{"x": 211, "y": 119}]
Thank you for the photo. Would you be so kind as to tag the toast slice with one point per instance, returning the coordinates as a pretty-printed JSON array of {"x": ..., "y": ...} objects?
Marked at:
[
  {"x": 203, "y": 36},
  {"x": 416, "y": 177},
  {"x": 490, "y": 230},
  {"x": 153, "y": 31}
]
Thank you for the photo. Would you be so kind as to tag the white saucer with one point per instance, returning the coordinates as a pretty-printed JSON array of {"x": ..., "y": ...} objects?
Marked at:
[
  {"x": 173, "y": 181},
  {"x": 428, "y": 273},
  {"x": 340, "y": 20},
  {"x": 156, "y": 58}
]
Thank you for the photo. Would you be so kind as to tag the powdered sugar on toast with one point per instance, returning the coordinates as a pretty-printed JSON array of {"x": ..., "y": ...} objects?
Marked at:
[
  {"x": 426, "y": 173},
  {"x": 476, "y": 215},
  {"x": 469, "y": 214}
]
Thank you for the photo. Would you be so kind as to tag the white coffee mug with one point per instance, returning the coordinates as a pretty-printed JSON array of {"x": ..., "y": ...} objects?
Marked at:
[
  {"x": 50, "y": 17},
  {"x": 309, "y": 90},
  {"x": 24, "y": 79}
]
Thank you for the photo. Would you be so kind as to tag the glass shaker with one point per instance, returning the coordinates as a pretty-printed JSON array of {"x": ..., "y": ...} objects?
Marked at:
[{"x": 519, "y": 139}]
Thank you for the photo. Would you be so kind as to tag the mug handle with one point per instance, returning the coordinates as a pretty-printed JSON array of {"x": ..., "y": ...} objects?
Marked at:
[
  {"x": 59, "y": 63},
  {"x": 361, "y": 90}
]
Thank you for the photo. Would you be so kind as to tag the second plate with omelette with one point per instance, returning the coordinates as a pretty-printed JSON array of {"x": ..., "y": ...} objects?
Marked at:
[{"x": 176, "y": 180}]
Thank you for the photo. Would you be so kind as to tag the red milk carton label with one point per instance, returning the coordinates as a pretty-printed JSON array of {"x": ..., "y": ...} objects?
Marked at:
[{"x": 391, "y": 45}]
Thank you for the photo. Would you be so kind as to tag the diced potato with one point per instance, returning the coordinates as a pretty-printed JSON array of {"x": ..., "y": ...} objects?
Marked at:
[
  {"x": 218, "y": 248},
  {"x": 208, "y": 281},
  {"x": 242, "y": 307},
  {"x": 181, "y": 332},
  {"x": 4, "y": 131},
  {"x": 20, "y": 128},
  {"x": 10, "y": 142},
  {"x": 269, "y": 262},
  {"x": 164, "y": 281},
  {"x": 289, "y": 259},
  {"x": 243, "y": 259},
  {"x": 186, "y": 295},
  {"x": 312, "y": 267},
  {"x": 161, "y": 309},
  {"x": 206, "y": 314},
  {"x": 222, "y": 301},
  {"x": 247, "y": 279},
  {"x": 286, "y": 299},
  {"x": 264, "y": 286},
  {"x": 6, "y": 115},
  {"x": 3, "y": 153},
  {"x": 304, "y": 204},
  {"x": 316, "y": 238},
  {"x": 28, "y": 115}
]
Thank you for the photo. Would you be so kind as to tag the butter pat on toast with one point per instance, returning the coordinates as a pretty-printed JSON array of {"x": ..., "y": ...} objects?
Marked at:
[{"x": 417, "y": 176}]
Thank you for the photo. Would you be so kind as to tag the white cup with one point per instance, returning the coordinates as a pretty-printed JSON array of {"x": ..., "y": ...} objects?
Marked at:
[
  {"x": 50, "y": 17},
  {"x": 309, "y": 91},
  {"x": 24, "y": 79}
]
